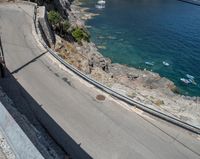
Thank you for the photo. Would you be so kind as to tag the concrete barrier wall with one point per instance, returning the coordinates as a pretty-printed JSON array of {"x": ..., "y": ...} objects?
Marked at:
[
  {"x": 45, "y": 28},
  {"x": 16, "y": 138}
]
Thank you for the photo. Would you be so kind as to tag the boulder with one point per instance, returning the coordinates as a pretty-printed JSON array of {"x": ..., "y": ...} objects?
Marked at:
[
  {"x": 100, "y": 62},
  {"x": 132, "y": 76}
]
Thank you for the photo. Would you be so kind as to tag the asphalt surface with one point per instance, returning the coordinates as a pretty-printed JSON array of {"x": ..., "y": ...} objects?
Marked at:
[
  {"x": 2, "y": 156},
  {"x": 105, "y": 129}
]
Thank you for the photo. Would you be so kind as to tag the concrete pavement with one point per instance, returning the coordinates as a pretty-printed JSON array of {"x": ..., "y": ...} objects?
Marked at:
[{"x": 102, "y": 129}]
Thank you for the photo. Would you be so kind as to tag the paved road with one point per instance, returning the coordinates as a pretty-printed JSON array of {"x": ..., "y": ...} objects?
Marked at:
[
  {"x": 2, "y": 156},
  {"x": 103, "y": 129}
]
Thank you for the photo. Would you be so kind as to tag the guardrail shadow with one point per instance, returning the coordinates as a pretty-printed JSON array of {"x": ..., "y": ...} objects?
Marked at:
[{"x": 34, "y": 112}]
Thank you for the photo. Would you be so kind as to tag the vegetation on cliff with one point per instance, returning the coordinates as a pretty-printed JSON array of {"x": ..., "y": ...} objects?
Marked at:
[
  {"x": 54, "y": 17},
  {"x": 80, "y": 34},
  {"x": 63, "y": 28}
]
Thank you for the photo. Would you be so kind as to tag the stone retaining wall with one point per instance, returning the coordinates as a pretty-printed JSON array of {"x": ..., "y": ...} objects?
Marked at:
[{"x": 44, "y": 26}]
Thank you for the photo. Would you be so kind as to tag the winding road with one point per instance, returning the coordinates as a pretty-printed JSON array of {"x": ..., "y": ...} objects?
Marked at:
[{"x": 107, "y": 129}]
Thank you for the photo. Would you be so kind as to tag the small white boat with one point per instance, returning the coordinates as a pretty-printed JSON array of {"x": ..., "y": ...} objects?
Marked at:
[
  {"x": 190, "y": 76},
  {"x": 149, "y": 63},
  {"x": 101, "y": 2},
  {"x": 165, "y": 63},
  {"x": 185, "y": 80}
]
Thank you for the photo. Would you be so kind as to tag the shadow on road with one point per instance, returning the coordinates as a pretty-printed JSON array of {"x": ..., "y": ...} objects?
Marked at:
[
  {"x": 34, "y": 112},
  {"x": 29, "y": 62}
]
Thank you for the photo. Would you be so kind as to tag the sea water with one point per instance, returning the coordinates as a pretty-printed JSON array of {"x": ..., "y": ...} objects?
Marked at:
[{"x": 133, "y": 32}]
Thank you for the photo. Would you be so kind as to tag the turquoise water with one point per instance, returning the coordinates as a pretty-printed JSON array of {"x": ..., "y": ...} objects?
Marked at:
[{"x": 135, "y": 31}]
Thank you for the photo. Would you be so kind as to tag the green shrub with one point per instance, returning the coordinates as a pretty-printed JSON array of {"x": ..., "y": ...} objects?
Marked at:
[
  {"x": 54, "y": 17},
  {"x": 66, "y": 26},
  {"x": 80, "y": 34}
]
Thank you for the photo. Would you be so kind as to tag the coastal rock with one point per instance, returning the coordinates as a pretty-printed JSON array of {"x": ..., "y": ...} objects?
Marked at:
[
  {"x": 99, "y": 62},
  {"x": 158, "y": 82},
  {"x": 118, "y": 69},
  {"x": 132, "y": 76},
  {"x": 102, "y": 77},
  {"x": 94, "y": 57},
  {"x": 74, "y": 17},
  {"x": 62, "y": 6}
]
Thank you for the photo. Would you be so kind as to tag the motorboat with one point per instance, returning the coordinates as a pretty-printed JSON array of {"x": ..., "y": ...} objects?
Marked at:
[
  {"x": 186, "y": 81},
  {"x": 101, "y": 2},
  {"x": 149, "y": 63},
  {"x": 165, "y": 63}
]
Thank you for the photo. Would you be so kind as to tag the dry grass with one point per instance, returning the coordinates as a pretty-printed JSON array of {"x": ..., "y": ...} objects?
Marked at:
[
  {"x": 159, "y": 102},
  {"x": 70, "y": 54}
]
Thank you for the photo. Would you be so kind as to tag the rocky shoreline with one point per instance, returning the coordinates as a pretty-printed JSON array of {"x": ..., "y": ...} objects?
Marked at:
[{"x": 141, "y": 85}]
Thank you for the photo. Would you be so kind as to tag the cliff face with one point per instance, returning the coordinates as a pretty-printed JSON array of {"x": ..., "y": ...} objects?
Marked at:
[
  {"x": 69, "y": 12},
  {"x": 62, "y": 6}
]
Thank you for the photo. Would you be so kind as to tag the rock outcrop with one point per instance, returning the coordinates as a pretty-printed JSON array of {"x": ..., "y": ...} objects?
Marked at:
[{"x": 62, "y": 6}]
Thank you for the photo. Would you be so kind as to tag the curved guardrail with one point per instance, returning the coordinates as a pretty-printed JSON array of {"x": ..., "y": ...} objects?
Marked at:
[{"x": 108, "y": 90}]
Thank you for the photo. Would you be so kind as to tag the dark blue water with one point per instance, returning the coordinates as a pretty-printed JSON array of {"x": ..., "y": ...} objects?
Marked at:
[{"x": 136, "y": 31}]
